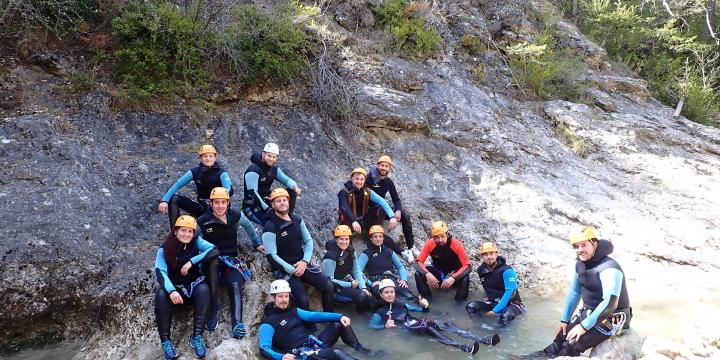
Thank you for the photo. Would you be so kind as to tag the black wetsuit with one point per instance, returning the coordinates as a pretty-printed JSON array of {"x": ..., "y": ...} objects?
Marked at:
[
  {"x": 342, "y": 267},
  {"x": 500, "y": 285},
  {"x": 205, "y": 179},
  {"x": 258, "y": 180},
  {"x": 382, "y": 187}
]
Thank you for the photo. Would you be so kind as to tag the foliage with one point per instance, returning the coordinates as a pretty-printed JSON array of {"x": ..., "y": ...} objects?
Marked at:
[
  {"x": 410, "y": 33},
  {"x": 60, "y": 17},
  {"x": 474, "y": 44}
]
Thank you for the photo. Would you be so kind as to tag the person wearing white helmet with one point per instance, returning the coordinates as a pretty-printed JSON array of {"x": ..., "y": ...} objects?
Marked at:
[
  {"x": 393, "y": 313},
  {"x": 284, "y": 335},
  {"x": 258, "y": 180}
]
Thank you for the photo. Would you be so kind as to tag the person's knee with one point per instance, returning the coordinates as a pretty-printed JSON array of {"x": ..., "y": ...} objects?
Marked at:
[
  {"x": 473, "y": 307},
  {"x": 201, "y": 290},
  {"x": 161, "y": 295},
  {"x": 175, "y": 200}
]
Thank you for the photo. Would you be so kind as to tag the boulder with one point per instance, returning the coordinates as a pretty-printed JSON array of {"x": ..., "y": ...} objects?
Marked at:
[
  {"x": 659, "y": 345},
  {"x": 625, "y": 346}
]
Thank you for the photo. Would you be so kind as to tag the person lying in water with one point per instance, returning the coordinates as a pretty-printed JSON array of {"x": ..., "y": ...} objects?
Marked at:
[{"x": 392, "y": 313}]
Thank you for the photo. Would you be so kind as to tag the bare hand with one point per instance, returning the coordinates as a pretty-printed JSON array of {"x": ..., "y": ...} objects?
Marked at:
[
  {"x": 261, "y": 249},
  {"x": 575, "y": 333},
  {"x": 398, "y": 215},
  {"x": 490, "y": 313},
  {"x": 424, "y": 302},
  {"x": 355, "y": 284},
  {"x": 403, "y": 283},
  {"x": 186, "y": 268},
  {"x": 562, "y": 329},
  {"x": 448, "y": 282},
  {"x": 300, "y": 268},
  {"x": 393, "y": 223},
  {"x": 375, "y": 283},
  {"x": 288, "y": 357},
  {"x": 390, "y": 323},
  {"x": 432, "y": 280},
  {"x": 345, "y": 321},
  {"x": 297, "y": 190},
  {"x": 176, "y": 298},
  {"x": 163, "y": 207},
  {"x": 367, "y": 292},
  {"x": 356, "y": 227}
]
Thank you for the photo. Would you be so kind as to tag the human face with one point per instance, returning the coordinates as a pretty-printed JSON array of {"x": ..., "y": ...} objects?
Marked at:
[
  {"x": 358, "y": 180},
  {"x": 377, "y": 239},
  {"x": 383, "y": 168},
  {"x": 585, "y": 249},
  {"x": 489, "y": 258},
  {"x": 440, "y": 239},
  {"x": 281, "y": 204},
  {"x": 208, "y": 159},
  {"x": 281, "y": 300},
  {"x": 343, "y": 242},
  {"x": 269, "y": 158},
  {"x": 184, "y": 234},
  {"x": 388, "y": 294},
  {"x": 219, "y": 206}
]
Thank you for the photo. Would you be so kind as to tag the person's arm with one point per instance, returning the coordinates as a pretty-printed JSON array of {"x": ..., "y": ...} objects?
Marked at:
[
  {"x": 510, "y": 282},
  {"x": 376, "y": 322},
  {"x": 226, "y": 182},
  {"x": 422, "y": 257},
  {"x": 249, "y": 229},
  {"x": 399, "y": 266},
  {"x": 270, "y": 243},
  {"x": 394, "y": 195},
  {"x": 328, "y": 268},
  {"x": 179, "y": 184},
  {"x": 465, "y": 267},
  {"x": 345, "y": 205},
  {"x": 251, "y": 183},
  {"x": 265, "y": 336},
  {"x": 307, "y": 242},
  {"x": 362, "y": 262},
  {"x": 383, "y": 204},
  {"x": 611, "y": 280},
  {"x": 571, "y": 300},
  {"x": 416, "y": 308},
  {"x": 357, "y": 273},
  {"x": 161, "y": 268},
  {"x": 318, "y": 316},
  {"x": 204, "y": 247},
  {"x": 284, "y": 179}
]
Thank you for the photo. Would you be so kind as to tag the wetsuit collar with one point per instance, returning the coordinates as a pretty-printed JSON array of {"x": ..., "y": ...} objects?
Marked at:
[
  {"x": 271, "y": 309},
  {"x": 484, "y": 269},
  {"x": 375, "y": 175}
]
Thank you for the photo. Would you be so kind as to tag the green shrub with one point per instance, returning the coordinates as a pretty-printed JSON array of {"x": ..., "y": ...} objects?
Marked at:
[
  {"x": 60, "y": 17},
  {"x": 701, "y": 103},
  {"x": 533, "y": 66},
  {"x": 157, "y": 47},
  {"x": 474, "y": 44},
  {"x": 265, "y": 46},
  {"x": 410, "y": 33}
]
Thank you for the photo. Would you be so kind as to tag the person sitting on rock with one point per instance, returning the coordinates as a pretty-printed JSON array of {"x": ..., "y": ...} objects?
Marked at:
[
  {"x": 379, "y": 182},
  {"x": 289, "y": 248},
  {"x": 499, "y": 281},
  {"x": 450, "y": 264},
  {"x": 380, "y": 263},
  {"x": 283, "y": 333},
  {"x": 342, "y": 268},
  {"x": 258, "y": 179},
  {"x": 392, "y": 313},
  {"x": 354, "y": 203},
  {"x": 206, "y": 176},
  {"x": 600, "y": 282},
  {"x": 220, "y": 227},
  {"x": 177, "y": 266}
]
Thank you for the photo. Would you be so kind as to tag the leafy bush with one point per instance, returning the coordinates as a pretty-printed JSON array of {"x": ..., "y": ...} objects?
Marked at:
[
  {"x": 701, "y": 103},
  {"x": 61, "y": 17},
  {"x": 410, "y": 33},
  {"x": 474, "y": 44}
]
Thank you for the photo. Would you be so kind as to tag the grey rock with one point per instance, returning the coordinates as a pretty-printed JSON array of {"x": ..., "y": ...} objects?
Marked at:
[{"x": 625, "y": 346}]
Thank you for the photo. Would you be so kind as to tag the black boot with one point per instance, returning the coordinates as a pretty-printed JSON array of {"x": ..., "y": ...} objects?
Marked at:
[{"x": 173, "y": 210}]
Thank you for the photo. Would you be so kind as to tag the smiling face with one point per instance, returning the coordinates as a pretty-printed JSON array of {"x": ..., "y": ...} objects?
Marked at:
[
  {"x": 281, "y": 204},
  {"x": 184, "y": 234},
  {"x": 585, "y": 249},
  {"x": 208, "y": 159},
  {"x": 489, "y": 258},
  {"x": 269, "y": 158},
  {"x": 219, "y": 206},
  {"x": 358, "y": 180},
  {"x": 383, "y": 168},
  {"x": 343, "y": 242},
  {"x": 388, "y": 294},
  {"x": 281, "y": 300},
  {"x": 377, "y": 238}
]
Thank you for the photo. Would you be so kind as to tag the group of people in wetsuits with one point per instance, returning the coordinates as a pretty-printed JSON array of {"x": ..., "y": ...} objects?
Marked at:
[{"x": 200, "y": 255}]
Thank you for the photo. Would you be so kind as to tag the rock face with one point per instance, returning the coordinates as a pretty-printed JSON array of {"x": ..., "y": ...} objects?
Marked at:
[
  {"x": 80, "y": 184},
  {"x": 625, "y": 346}
]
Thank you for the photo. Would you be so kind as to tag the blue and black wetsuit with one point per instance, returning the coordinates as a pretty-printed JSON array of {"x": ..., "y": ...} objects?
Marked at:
[
  {"x": 285, "y": 332},
  {"x": 600, "y": 283},
  {"x": 191, "y": 287},
  {"x": 205, "y": 179},
  {"x": 225, "y": 237},
  {"x": 378, "y": 262},
  {"x": 500, "y": 285},
  {"x": 258, "y": 180},
  {"x": 286, "y": 243},
  {"x": 342, "y": 267},
  {"x": 382, "y": 187},
  {"x": 356, "y": 204}
]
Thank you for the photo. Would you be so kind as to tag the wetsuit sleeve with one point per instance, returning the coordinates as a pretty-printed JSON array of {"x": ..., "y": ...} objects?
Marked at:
[
  {"x": 510, "y": 284},
  {"x": 394, "y": 195},
  {"x": 284, "y": 179},
  {"x": 328, "y": 268},
  {"x": 225, "y": 181},
  {"x": 416, "y": 308},
  {"x": 270, "y": 244},
  {"x": 572, "y": 300},
  {"x": 205, "y": 247},
  {"x": 318, "y": 316},
  {"x": 362, "y": 261},
  {"x": 422, "y": 257},
  {"x": 465, "y": 267},
  {"x": 179, "y": 184},
  {"x": 161, "y": 266},
  {"x": 611, "y": 280},
  {"x": 265, "y": 336},
  {"x": 307, "y": 242},
  {"x": 357, "y": 273},
  {"x": 382, "y": 202},
  {"x": 249, "y": 229},
  {"x": 399, "y": 266},
  {"x": 345, "y": 205},
  {"x": 251, "y": 182},
  {"x": 376, "y": 322}
]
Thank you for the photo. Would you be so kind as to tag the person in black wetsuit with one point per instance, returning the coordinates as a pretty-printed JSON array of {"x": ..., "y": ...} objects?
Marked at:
[
  {"x": 283, "y": 334},
  {"x": 341, "y": 266},
  {"x": 177, "y": 266},
  {"x": 380, "y": 263},
  {"x": 206, "y": 176},
  {"x": 258, "y": 180},
  {"x": 450, "y": 264},
  {"x": 220, "y": 227}
]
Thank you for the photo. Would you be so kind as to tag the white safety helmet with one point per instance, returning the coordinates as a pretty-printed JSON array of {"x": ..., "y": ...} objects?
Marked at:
[
  {"x": 386, "y": 283},
  {"x": 279, "y": 286},
  {"x": 271, "y": 148}
]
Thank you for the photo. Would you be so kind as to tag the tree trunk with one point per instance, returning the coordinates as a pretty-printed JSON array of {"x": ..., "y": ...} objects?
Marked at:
[{"x": 709, "y": 17}]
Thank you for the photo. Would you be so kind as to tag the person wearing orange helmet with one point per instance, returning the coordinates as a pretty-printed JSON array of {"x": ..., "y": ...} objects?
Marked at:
[
  {"x": 208, "y": 175},
  {"x": 450, "y": 264},
  {"x": 379, "y": 262},
  {"x": 341, "y": 266}
]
